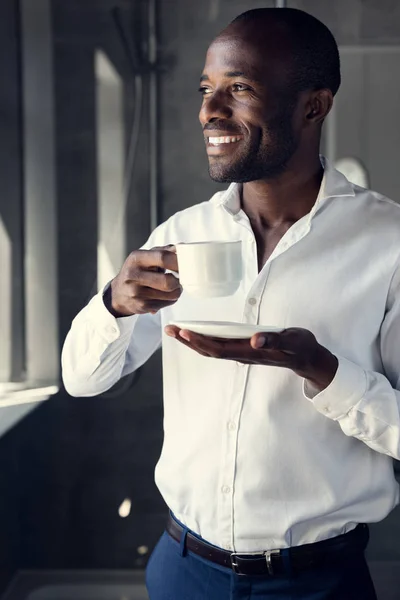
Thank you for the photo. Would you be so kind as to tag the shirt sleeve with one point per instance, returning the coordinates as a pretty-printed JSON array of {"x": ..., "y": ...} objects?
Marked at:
[
  {"x": 100, "y": 349},
  {"x": 365, "y": 403}
]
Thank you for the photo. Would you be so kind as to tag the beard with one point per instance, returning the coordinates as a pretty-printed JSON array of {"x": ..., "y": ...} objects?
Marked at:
[{"x": 265, "y": 159}]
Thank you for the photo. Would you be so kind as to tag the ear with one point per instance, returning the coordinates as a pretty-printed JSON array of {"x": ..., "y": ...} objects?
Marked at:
[{"x": 319, "y": 105}]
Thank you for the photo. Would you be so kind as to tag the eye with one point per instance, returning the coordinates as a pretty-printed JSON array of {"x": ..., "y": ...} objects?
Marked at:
[
  {"x": 240, "y": 87},
  {"x": 204, "y": 90}
]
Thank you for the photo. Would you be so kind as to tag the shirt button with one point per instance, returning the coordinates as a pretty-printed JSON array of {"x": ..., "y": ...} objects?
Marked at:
[
  {"x": 327, "y": 409},
  {"x": 252, "y": 301},
  {"x": 111, "y": 329},
  {"x": 225, "y": 489},
  {"x": 231, "y": 426}
]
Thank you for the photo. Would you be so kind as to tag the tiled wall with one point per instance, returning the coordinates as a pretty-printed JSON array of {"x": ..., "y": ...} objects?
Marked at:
[{"x": 10, "y": 213}]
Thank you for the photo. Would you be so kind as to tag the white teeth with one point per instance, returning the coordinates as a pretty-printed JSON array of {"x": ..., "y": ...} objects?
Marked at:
[{"x": 223, "y": 140}]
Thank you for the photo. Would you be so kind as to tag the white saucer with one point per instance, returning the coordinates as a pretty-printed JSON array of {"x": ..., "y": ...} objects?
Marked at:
[{"x": 224, "y": 329}]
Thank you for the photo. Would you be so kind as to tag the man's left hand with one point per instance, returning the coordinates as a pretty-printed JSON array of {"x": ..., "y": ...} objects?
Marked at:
[{"x": 295, "y": 348}]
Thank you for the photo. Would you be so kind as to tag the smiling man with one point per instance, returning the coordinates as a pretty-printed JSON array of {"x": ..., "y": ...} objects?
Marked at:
[{"x": 277, "y": 450}]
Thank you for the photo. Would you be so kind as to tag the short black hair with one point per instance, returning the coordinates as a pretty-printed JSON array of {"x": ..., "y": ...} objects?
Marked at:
[{"x": 316, "y": 61}]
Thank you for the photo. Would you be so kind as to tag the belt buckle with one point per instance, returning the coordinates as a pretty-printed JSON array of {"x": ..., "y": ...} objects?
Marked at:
[
  {"x": 268, "y": 558},
  {"x": 235, "y": 566}
]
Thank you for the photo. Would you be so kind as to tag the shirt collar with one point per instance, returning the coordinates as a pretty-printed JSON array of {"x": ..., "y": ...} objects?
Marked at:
[
  {"x": 229, "y": 199},
  {"x": 333, "y": 185}
]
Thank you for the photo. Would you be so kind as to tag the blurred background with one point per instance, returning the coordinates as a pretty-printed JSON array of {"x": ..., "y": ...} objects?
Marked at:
[{"x": 99, "y": 143}]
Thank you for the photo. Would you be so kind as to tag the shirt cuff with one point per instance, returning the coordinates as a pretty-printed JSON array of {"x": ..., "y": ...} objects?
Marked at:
[
  {"x": 346, "y": 390},
  {"x": 106, "y": 324}
]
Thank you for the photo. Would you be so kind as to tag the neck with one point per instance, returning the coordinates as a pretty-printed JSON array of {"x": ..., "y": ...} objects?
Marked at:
[{"x": 284, "y": 200}]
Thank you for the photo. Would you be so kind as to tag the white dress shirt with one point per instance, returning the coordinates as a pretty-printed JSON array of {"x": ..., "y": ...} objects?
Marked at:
[{"x": 253, "y": 457}]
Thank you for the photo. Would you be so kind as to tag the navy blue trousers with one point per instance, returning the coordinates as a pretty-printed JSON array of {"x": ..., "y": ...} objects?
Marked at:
[{"x": 175, "y": 574}]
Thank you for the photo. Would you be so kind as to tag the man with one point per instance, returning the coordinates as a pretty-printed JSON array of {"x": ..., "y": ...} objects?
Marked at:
[{"x": 277, "y": 450}]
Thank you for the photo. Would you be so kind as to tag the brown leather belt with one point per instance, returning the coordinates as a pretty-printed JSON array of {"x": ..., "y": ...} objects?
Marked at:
[{"x": 276, "y": 562}]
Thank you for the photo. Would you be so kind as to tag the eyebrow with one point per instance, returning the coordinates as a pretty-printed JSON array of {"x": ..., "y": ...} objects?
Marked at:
[{"x": 229, "y": 74}]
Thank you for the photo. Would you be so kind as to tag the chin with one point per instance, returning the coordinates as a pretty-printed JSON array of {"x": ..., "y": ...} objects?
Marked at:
[
  {"x": 220, "y": 177},
  {"x": 243, "y": 169},
  {"x": 223, "y": 173}
]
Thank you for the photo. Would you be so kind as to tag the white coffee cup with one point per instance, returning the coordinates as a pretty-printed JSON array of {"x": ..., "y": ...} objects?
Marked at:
[{"x": 210, "y": 269}]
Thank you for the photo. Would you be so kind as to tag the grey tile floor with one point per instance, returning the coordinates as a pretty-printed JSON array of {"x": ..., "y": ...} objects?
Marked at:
[
  {"x": 89, "y": 592},
  {"x": 129, "y": 585},
  {"x": 78, "y": 585}
]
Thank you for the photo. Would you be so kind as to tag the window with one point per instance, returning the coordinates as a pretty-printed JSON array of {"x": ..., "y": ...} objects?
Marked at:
[
  {"x": 29, "y": 358},
  {"x": 111, "y": 248}
]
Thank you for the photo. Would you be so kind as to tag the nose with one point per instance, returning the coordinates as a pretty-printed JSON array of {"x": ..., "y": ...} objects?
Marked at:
[{"x": 215, "y": 106}]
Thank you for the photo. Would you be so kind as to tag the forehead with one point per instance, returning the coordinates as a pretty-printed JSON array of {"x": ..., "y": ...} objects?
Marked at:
[{"x": 259, "y": 60}]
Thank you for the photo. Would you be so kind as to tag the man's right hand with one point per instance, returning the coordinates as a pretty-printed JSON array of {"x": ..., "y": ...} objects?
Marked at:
[{"x": 142, "y": 286}]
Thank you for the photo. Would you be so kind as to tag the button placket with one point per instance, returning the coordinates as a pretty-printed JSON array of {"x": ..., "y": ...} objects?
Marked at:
[
  {"x": 250, "y": 261},
  {"x": 230, "y": 436},
  {"x": 228, "y": 459},
  {"x": 250, "y": 313}
]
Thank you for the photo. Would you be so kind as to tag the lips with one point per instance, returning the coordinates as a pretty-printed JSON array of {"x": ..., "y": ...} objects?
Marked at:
[
  {"x": 224, "y": 139},
  {"x": 218, "y": 143}
]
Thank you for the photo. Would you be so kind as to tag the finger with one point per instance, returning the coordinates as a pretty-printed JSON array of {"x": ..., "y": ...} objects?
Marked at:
[
  {"x": 266, "y": 340},
  {"x": 203, "y": 340},
  {"x": 171, "y": 330},
  {"x": 164, "y": 282},
  {"x": 237, "y": 350},
  {"x": 273, "y": 341},
  {"x": 174, "y": 332},
  {"x": 188, "y": 336},
  {"x": 218, "y": 347},
  {"x": 164, "y": 258},
  {"x": 148, "y": 293},
  {"x": 144, "y": 306},
  {"x": 170, "y": 248}
]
